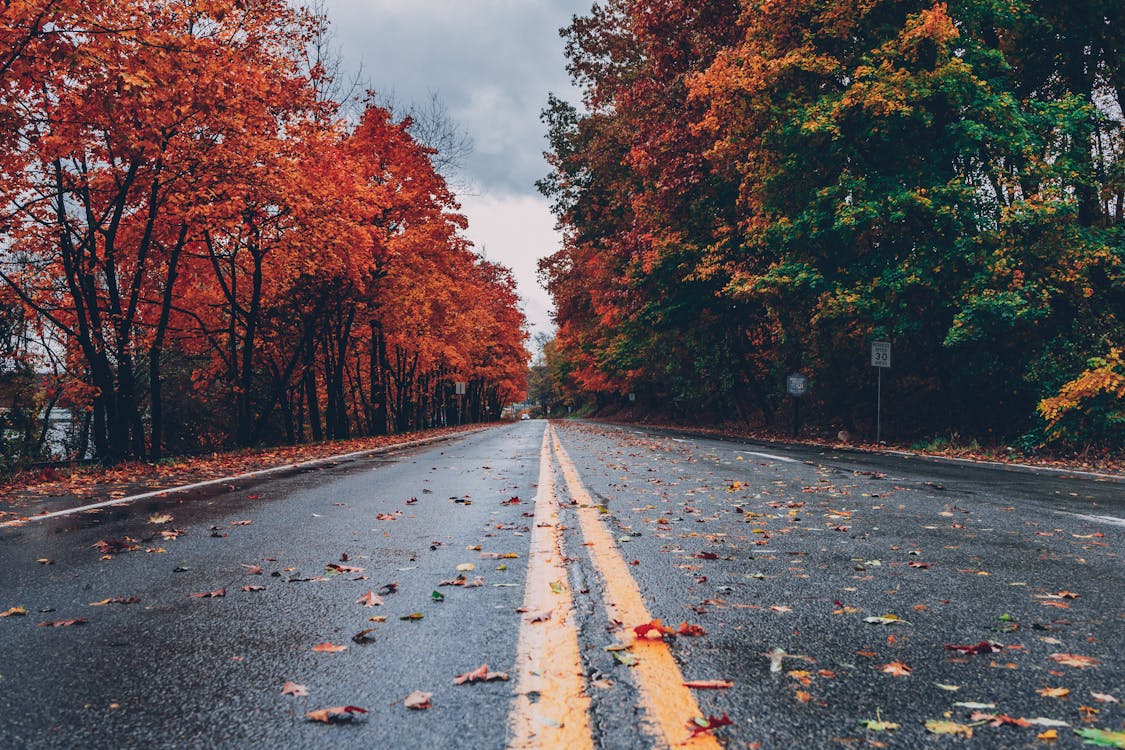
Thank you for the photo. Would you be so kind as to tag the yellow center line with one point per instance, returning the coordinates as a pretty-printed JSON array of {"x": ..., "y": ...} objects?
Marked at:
[
  {"x": 552, "y": 709},
  {"x": 669, "y": 705}
]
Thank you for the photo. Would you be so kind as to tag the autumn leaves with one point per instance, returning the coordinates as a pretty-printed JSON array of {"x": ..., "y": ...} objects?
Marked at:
[{"x": 209, "y": 253}]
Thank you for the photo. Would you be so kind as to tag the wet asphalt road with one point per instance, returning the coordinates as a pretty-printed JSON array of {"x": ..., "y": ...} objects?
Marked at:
[{"x": 763, "y": 548}]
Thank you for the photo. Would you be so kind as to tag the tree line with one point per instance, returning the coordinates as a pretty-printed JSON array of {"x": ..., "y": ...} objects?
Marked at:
[
  {"x": 755, "y": 188},
  {"x": 200, "y": 250}
]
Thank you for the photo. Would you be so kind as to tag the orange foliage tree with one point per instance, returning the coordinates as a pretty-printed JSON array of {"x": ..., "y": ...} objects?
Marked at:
[{"x": 216, "y": 249}]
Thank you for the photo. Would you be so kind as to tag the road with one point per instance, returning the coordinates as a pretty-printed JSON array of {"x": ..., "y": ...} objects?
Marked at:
[{"x": 848, "y": 599}]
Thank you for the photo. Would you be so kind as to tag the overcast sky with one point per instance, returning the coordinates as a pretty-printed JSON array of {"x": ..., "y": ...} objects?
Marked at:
[{"x": 492, "y": 64}]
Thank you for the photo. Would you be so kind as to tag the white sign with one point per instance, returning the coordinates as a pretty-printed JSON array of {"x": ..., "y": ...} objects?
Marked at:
[
  {"x": 880, "y": 354},
  {"x": 797, "y": 385},
  {"x": 459, "y": 388}
]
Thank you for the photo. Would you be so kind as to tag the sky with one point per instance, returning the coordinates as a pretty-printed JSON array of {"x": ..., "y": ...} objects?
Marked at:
[{"x": 491, "y": 63}]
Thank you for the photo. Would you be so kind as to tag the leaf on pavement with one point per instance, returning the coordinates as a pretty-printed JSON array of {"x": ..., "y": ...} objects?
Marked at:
[
  {"x": 338, "y": 568},
  {"x": 210, "y": 594},
  {"x": 709, "y": 684},
  {"x": 480, "y": 674},
  {"x": 242, "y": 523},
  {"x": 116, "y": 600},
  {"x": 689, "y": 629},
  {"x": 1102, "y": 737},
  {"x": 984, "y": 647},
  {"x": 363, "y": 637},
  {"x": 252, "y": 570},
  {"x": 1104, "y": 697},
  {"x": 14, "y": 612},
  {"x": 328, "y": 648},
  {"x": 626, "y": 658},
  {"x": 896, "y": 668},
  {"x": 935, "y": 726},
  {"x": 418, "y": 700},
  {"x": 292, "y": 688},
  {"x": 653, "y": 631},
  {"x": 699, "y": 724},
  {"x": 998, "y": 720},
  {"x": 1074, "y": 660},
  {"x": 1050, "y": 692},
  {"x": 412, "y": 616},
  {"x": 335, "y": 714},
  {"x": 63, "y": 623},
  {"x": 465, "y": 567},
  {"x": 878, "y": 725},
  {"x": 886, "y": 620},
  {"x": 370, "y": 599},
  {"x": 253, "y": 588},
  {"x": 159, "y": 518}
]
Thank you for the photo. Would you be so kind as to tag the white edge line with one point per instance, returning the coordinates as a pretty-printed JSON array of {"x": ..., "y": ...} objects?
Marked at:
[
  {"x": 1112, "y": 520},
  {"x": 237, "y": 477},
  {"x": 771, "y": 457}
]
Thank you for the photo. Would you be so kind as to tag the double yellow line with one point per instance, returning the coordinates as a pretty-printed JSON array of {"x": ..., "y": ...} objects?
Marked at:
[{"x": 552, "y": 708}]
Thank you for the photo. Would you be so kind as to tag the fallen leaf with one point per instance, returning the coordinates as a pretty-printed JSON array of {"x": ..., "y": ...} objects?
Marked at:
[
  {"x": 63, "y": 623},
  {"x": 480, "y": 674},
  {"x": 690, "y": 630},
  {"x": 412, "y": 616},
  {"x": 210, "y": 594},
  {"x": 699, "y": 724},
  {"x": 984, "y": 647},
  {"x": 896, "y": 668},
  {"x": 1102, "y": 737},
  {"x": 709, "y": 684},
  {"x": 418, "y": 700},
  {"x": 1074, "y": 660},
  {"x": 338, "y": 568},
  {"x": 626, "y": 658},
  {"x": 949, "y": 727},
  {"x": 292, "y": 688},
  {"x": 886, "y": 620},
  {"x": 1049, "y": 692},
  {"x": 1104, "y": 697},
  {"x": 878, "y": 725},
  {"x": 328, "y": 648},
  {"x": 370, "y": 600},
  {"x": 363, "y": 637},
  {"x": 252, "y": 570},
  {"x": 14, "y": 612},
  {"x": 253, "y": 588},
  {"x": 653, "y": 631},
  {"x": 242, "y": 523},
  {"x": 116, "y": 600},
  {"x": 803, "y": 696},
  {"x": 335, "y": 714},
  {"x": 465, "y": 567}
]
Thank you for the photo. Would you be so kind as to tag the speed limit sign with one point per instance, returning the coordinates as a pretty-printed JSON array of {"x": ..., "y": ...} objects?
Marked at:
[{"x": 880, "y": 354}]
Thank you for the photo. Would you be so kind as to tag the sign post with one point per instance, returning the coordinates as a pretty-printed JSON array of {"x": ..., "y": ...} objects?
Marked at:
[
  {"x": 459, "y": 389},
  {"x": 880, "y": 360},
  {"x": 797, "y": 385}
]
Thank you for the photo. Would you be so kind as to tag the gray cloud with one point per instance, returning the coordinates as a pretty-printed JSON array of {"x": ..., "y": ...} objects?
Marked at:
[{"x": 492, "y": 63}]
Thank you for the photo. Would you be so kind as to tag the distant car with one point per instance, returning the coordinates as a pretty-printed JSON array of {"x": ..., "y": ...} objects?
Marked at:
[{"x": 524, "y": 416}]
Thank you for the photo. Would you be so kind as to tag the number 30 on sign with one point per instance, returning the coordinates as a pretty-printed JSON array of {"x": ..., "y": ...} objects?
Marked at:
[{"x": 880, "y": 354}]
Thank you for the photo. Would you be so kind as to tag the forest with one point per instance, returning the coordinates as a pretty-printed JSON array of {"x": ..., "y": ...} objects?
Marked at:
[
  {"x": 755, "y": 188},
  {"x": 203, "y": 246}
]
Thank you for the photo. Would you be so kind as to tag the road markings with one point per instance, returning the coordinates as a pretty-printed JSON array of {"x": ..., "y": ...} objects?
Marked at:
[
  {"x": 1112, "y": 520},
  {"x": 772, "y": 457},
  {"x": 552, "y": 708},
  {"x": 669, "y": 705}
]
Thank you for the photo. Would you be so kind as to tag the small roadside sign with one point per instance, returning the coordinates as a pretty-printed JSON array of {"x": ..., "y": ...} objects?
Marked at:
[
  {"x": 459, "y": 388},
  {"x": 880, "y": 354},
  {"x": 797, "y": 385}
]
